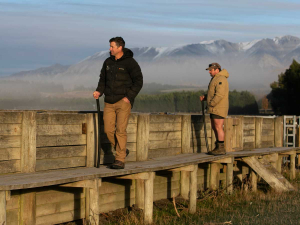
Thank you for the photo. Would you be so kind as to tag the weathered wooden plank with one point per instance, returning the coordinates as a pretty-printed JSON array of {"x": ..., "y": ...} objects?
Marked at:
[
  {"x": 142, "y": 139},
  {"x": 266, "y": 144},
  {"x": 12, "y": 217},
  {"x": 60, "y": 140},
  {"x": 10, "y": 153},
  {"x": 186, "y": 134},
  {"x": 131, "y": 128},
  {"x": 28, "y": 142},
  {"x": 249, "y": 133},
  {"x": 267, "y": 138},
  {"x": 200, "y": 141},
  {"x": 278, "y": 131},
  {"x": 269, "y": 126},
  {"x": 159, "y": 136},
  {"x": 249, "y": 126},
  {"x": 91, "y": 140},
  {"x": 267, "y": 133},
  {"x": 10, "y": 141},
  {"x": 11, "y": 166},
  {"x": 166, "y": 176},
  {"x": 13, "y": 203},
  {"x": 269, "y": 174},
  {"x": 3, "y": 208},
  {"x": 164, "y": 187},
  {"x": 60, "y": 152},
  {"x": 165, "y": 127},
  {"x": 59, "y": 129},
  {"x": 249, "y": 120},
  {"x": 10, "y": 129},
  {"x": 200, "y": 133},
  {"x": 165, "y": 119},
  {"x": 200, "y": 126},
  {"x": 248, "y": 145},
  {"x": 117, "y": 196},
  {"x": 114, "y": 185},
  {"x": 51, "y": 164},
  {"x": 164, "y": 144},
  {"x": 28, "y": 207},
  {"x": 228, "y": 139},
  {"x": 116, "y": 205},
  {"x": 56, "y": 196},
  {"x": 193, "y": 190},
  {"x": 61, "y": 217},
  {"x": 11, "y": 117},
  {"x": 58, "y": 207},
  {"x": 249, "y": 139},
  {"x": 268, "y": 121},
  {"x": 156, "y": 153},
  {"x": 60, "y": 119},
  {"x": 148, "y": 208},
  {"x": 258, "y": 131}
]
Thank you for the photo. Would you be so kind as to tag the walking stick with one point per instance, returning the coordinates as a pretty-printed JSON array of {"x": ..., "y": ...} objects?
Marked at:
[
  {"x": 98, "y": 156},
  {"x": 205, "y": 132}
]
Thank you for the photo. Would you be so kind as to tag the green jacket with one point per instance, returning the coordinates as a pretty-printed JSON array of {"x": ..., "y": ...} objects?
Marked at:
[{"x": 217, "y": 95}]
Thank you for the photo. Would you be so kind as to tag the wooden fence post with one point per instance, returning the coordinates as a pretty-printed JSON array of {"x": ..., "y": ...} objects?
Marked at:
[
  {"x": 3, "y": 208},
  {"x": 229, "y": 178},
  {"x": 278, "y": 131},
  {"x": 228, "y": 129},
  {"x": 240, "y": 133},
  {"x": 253, "y": 180},
  {"x": 143, "y": 131},
  {"x": 28, "y": 164},
  {"x": 214, "y": 176},
  {"x": 148, "y": 208},
  {"x": 258, "y": 131},
  {"x": 293, "y": 166},
  {"x": 185, "y": 148},
  {"x": 193, "y": 191},
  {"x": 90, "y": 140}
]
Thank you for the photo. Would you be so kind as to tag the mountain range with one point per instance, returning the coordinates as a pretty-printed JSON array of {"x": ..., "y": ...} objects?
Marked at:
[{"x": 251, "y": 65}]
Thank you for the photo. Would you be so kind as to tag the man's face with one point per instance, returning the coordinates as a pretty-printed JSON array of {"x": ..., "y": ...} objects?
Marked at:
[
  {"x": 213, "y": 72},
  {"x": 114, "y": 50}
]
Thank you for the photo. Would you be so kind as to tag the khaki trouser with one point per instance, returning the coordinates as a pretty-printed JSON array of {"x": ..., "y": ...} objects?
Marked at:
[{"x": 115, "y": 118}]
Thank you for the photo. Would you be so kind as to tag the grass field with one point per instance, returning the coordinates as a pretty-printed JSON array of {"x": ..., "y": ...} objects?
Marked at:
[{"x": 263, "y": 207}]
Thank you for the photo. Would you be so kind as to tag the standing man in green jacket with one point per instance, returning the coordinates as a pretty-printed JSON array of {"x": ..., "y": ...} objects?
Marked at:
[
  {"x": 120, "y": 81},
  {"x": 217, "y": 104}
]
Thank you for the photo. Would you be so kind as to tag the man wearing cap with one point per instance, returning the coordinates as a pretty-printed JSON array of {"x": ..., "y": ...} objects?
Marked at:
[{"x": 217, "y": 104}]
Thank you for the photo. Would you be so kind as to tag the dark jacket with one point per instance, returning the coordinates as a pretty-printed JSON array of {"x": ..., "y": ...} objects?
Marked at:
[{"x": 120, "y": 78}]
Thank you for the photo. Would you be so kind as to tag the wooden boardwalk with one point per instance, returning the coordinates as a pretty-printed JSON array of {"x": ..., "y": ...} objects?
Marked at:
[{"x": 91, "y": 178}]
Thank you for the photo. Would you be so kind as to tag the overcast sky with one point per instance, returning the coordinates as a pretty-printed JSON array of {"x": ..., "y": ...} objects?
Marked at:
[{"x": 43, "y": 32}]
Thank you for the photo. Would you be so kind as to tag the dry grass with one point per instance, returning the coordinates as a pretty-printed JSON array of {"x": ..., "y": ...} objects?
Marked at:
[{"x": 263, "y": 207}]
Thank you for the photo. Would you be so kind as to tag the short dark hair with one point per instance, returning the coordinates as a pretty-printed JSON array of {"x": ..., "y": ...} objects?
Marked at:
[{"x": 119, "y": 41}]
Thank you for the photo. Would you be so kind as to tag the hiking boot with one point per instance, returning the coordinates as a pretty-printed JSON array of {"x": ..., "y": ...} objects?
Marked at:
[
  {"x": 117, "y": 165},
  {"x": 218, "y": 150}
]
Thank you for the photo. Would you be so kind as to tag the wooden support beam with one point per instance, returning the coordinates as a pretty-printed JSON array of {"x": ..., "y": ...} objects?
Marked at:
[
  {"x": 253, "y": 180},
  {"x": 90, "y": 140},
  {"x": 142, "y": 145},
  {"x": 228, "y": 126},
  {"x": 28, "y": 207},
  {"x": 258, "y": 131},
  {"x": 278, "y": 130},
  {"x": 288, "y": 153},
  {"x": 137, "y": 176},
  {"x": 82, "y": 184},
  {"x": 8, "y": 196},
  {"x": 193, "y": 189},
  {"x": 94, "y": 203},
  {"x": 28, "y": 144},
  {"x": 185, "y": 148},
  {"x": 2, "y": 208},
  {"x": 148, "y": 208},
  {"x": 278, "y": 163},
  {"x": 214, "y": 176},
  {"x": 293, "y": 166},
  {"x": 184, "y": 168},
  {"x": 229, "y": 178},
  {"x": 225, "y": 160}
]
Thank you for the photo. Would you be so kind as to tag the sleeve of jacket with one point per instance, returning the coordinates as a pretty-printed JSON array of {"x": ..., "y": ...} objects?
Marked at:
[
  {"x": 101, "y": 83},
  {"x": 137, "y": 80},
  {"x": 220, "y": 88}
]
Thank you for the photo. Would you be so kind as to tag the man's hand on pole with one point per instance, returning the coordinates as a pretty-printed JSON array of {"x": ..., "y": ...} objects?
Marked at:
[
  {"x": 96, "y": 94},
  {"x": 202, "y": 98}
]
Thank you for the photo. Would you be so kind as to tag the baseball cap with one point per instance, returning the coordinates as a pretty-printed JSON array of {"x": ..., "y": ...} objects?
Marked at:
[{"x": 214, "y": 66}]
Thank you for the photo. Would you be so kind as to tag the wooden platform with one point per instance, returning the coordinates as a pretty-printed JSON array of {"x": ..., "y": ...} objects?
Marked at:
[{"x": 56, "y": 177}]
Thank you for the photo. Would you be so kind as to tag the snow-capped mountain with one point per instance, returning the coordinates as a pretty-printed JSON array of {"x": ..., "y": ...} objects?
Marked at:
[{"x": 250, "y": 64}]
